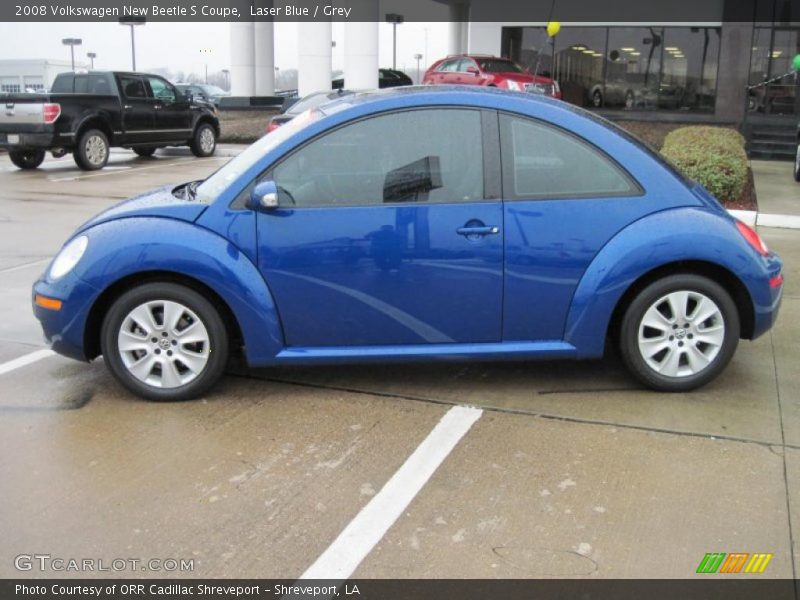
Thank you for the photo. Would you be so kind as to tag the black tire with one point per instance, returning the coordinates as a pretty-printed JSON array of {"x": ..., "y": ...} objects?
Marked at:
[
  {"x": 92, "y": 150},
  {"x": 647, "y": 298},
  {"x": 797, "y": 162},
  {"x": 597, "y": 99},
  {"x": 216, "y": 354},
  {"x": 199, "y": 142},
  {"x": 26, "y": 159},
  {"x": 145, "y": 151}
]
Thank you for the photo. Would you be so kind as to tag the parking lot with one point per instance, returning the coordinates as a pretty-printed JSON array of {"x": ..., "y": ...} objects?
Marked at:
[{"x": 568, "y": 470}]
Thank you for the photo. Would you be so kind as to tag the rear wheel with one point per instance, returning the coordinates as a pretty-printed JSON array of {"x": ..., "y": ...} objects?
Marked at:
[
  {"x": 204, "y": 141},
  {"x": 92, "y": 150},
  {"x": 679, "y": 333},
  {"x": 164, "y": 341},
  {"x": 597, "y": 99},
  {"x": 26, "y": 159},
  {"x": 145, "y": 151}
]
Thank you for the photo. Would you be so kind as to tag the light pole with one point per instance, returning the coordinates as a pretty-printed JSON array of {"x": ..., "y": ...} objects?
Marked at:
[
  {"x": 395, "y": 20},
  {"x": 227, "y": 73},
  {"x": 72, "y": 42},
  {"x": 206, "y": 52},
  {"x": 132, "y": 22},
  {"x": 418, "y": 57},
  {"x": 92, "y": 56}
]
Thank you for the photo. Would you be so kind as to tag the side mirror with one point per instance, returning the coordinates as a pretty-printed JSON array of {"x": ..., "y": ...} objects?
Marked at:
[
  {"x": 264, "y": 196},
  {"x": 473, "y": 71},
  {"x": 188, "y": 97}
]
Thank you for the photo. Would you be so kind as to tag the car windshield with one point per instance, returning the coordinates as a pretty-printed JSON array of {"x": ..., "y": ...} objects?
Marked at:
[
  {"x": 212, "y": 90},
  {"x": 212, "y": 187},
  {"x": 493, "y": 65}
]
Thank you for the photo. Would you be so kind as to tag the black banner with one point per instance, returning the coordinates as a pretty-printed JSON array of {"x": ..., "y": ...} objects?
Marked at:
[
  {"x": 511, "y": 11},
  {"x": 403, "y": 589}
]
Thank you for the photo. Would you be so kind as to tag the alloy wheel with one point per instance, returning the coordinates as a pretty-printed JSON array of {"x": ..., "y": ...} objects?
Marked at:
[
  {"x": 681, "y": 334},
  {"x": 163, "y": 344},
  {"x": 96, "y": 150},
  {"x": 207, "y": 140}
]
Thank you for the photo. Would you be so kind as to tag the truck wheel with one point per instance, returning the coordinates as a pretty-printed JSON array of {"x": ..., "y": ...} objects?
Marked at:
[
  {"x": 26, "y": 159},
  {"x": 91, "y": 153},
  {"x": 204, "y": 141},
  {"x": 145, "y": 151},
  {"x": 164, "y": 341}
]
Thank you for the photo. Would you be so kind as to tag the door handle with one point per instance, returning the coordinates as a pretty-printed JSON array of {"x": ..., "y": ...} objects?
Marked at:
[
  {"x": 485, "y": 230},
  {"x": 157, "y": 106},
  {"x": 127, "y": 106}
]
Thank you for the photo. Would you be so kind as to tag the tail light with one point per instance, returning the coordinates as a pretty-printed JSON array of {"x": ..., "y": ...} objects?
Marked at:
[
  {"x": 272, "y": 126},
  {"x": 752, "y": 238},
  {"x": 50, "y": 112}
]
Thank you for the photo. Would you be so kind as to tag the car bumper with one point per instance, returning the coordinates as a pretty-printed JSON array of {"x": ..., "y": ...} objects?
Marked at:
[
  {"x": 64, "y": 329},
  {"x": 767, "y": 293},
  {"x": 19, "y": 141}
]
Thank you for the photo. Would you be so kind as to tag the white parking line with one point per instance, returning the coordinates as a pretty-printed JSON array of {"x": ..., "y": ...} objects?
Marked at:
[
  {"x": 361, "y": 535},
  {"x": 25, "y": 360},
  {"x": 127, "y": 170},
  {"x": 24, "y": 266}
]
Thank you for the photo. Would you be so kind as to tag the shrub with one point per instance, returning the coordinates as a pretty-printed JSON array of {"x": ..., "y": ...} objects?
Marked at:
[{"x": 712, "y": 156}]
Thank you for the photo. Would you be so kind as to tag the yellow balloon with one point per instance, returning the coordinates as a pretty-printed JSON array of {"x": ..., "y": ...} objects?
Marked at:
[{"x": 553, "y": 27}]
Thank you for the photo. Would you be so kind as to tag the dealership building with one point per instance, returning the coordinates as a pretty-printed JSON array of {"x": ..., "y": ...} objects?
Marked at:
[{"x": 716, "y": 70}]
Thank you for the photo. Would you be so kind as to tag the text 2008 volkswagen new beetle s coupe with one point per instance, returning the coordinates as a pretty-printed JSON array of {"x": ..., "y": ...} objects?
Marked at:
[{"x": 416, "y": 224}]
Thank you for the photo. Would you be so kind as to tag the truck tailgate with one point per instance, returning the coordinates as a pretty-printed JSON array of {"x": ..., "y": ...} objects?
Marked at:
[{"x": 21, "y": 113}]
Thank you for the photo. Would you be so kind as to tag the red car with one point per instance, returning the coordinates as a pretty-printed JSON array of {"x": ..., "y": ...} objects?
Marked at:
[{"x": 491, "y": 71}]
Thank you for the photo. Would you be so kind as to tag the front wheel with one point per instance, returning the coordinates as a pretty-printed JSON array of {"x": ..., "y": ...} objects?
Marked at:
[
  {"x": 164, "y": 341},
  {"x": 92, "y": 150},
  {"x": 204, "y": 141},
  {"x": 679, "y": 333},
  {"x": 26, "y": 159},
  {"x": 597, "y": 99}
]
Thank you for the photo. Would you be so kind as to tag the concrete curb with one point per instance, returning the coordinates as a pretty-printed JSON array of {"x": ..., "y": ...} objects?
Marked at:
[{"x": 753, "y": 219}]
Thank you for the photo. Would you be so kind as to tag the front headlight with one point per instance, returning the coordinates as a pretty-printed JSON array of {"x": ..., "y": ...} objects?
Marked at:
[
  {"x": 69, "y": 256},
  {"x": 513, "y": 85}
]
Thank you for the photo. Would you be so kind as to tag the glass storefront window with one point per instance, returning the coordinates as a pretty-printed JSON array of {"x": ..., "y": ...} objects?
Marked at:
[
  {"x": 629, "y": 68},
  {"x": 773, "y": 86}
]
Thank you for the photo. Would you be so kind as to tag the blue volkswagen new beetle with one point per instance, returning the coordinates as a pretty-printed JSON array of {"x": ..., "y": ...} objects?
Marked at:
[{"x": 416, "y": 224}]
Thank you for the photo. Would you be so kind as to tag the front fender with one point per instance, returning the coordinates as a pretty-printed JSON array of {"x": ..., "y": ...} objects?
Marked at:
[
  {"x": 682, "y": 234},
  {"x": 124, "y": 247}
]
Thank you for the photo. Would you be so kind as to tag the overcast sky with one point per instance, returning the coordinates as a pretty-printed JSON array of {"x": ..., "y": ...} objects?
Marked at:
[{"x": 176, "y": 46}]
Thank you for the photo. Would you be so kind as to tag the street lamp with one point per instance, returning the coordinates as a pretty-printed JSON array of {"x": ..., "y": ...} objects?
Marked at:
[
  {"x": 92, "y": 56},
  {"x": 395, "y": 20},
  {"x": 72, "y": 42},
  {"x": 206, "y": 52},
  {"x": 132, "y": 22},
  {"x": 418, "y": 57},
  {"x": 227, "y": 73}
]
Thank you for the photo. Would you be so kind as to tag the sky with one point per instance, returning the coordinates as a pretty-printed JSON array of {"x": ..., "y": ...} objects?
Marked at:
[{"x": 176, "y": 46}]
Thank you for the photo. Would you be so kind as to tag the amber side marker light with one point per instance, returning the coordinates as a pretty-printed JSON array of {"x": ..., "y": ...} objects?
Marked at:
[{"x": 45, "y": 302}]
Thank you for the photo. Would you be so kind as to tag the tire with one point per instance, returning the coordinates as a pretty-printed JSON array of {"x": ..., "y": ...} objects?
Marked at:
[
  {"x": 679, "y": 359},
  {"x": 167, "y": 369},
  {"x": 204, "y": 141},
  {"x": 797, "y": 162},
  {"x": 145, "y": 151},
  {"x": 630, "y": 100},
  {"x": 597, "y": 99},
  {"x": 91, "y": 153},
  {"x": 26, "y": 159}
]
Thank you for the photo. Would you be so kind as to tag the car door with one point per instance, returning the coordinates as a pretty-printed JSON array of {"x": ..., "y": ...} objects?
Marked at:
[
  {"x": 564, "y": 199},
  {"x": 384, "y": 236},
  {"x": 173, "y": 119},
  {"x": 138, "y": 112}
]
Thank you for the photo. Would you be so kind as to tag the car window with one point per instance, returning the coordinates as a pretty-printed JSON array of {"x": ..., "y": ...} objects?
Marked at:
[
  {"x": 384, "y": 159},
  {"x": 161, "y": 89},
  {"x": 542, "y": 161},
  {"x": 448, "y": 66},
  {"x": 132, "y": 87},
  {"x": 494, "y": 65},
  {"x": 463, "y": 64}
]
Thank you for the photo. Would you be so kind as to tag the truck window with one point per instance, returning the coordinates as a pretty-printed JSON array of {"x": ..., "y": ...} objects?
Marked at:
[
  {"x": 161, "y": 89},
  {"x": 81, "y": 85},
  {"x": 132, "y": 87},
  {"x": 62, "y": 84}
]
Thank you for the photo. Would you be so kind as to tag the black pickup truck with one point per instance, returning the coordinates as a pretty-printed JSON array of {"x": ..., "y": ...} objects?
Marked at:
[{"x": 87, "y": 113}]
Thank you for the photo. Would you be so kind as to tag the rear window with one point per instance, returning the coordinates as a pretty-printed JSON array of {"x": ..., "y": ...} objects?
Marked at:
[
  {"x": 62, "y": 84},
  {"x": 492, "y": 65}
]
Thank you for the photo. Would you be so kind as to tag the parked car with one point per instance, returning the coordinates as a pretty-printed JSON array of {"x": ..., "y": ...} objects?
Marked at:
[
  {"x": 302, "y": 105},
  {"x": 88, "y": 113},
  {"x": 386, "y": 78},
  {"x": 204, "y": 92},
  {"x": 489, "y": 71},
  {"x": 448, "y": 223}
]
